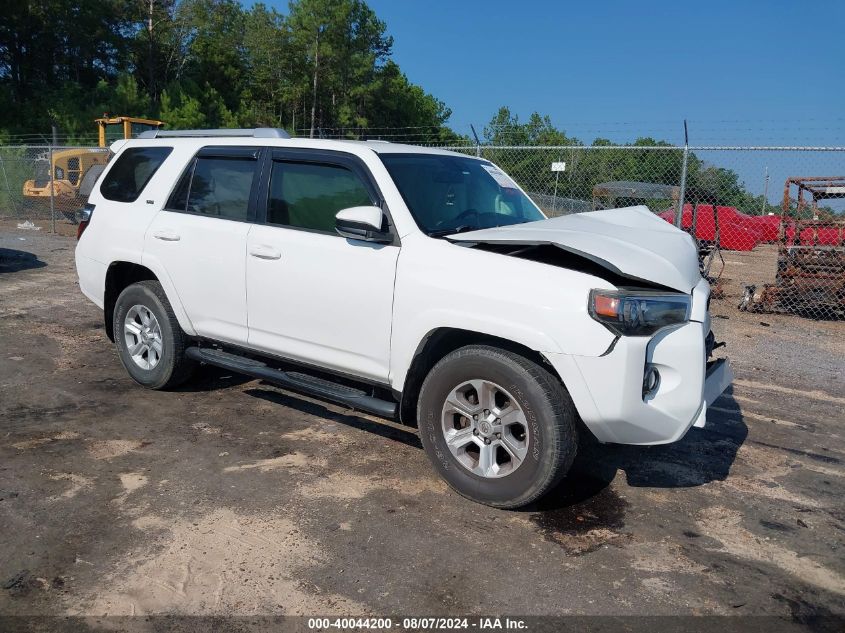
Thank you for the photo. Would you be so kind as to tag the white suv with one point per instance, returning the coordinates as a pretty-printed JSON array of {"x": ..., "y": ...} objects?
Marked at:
[{"x": 406, "y": 282}]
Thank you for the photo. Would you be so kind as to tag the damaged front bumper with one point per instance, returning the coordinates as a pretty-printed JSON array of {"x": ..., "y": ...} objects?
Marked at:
[
  {"x": 611, "y": 400},
  {"x": 718, "y": 377},
  {"x": 618, "y": 397}
]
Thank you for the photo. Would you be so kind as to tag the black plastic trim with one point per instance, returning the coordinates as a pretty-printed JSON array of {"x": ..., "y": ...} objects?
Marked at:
[
  {"x": 363, "y": 232},
  {"x": 269, "y": 357},
  {"x": 229, "y": 151},
  {"x": 319, "y": 388}
]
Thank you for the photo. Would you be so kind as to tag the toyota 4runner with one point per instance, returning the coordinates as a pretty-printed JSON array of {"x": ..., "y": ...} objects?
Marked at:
[{"x": 407, "y": 282}]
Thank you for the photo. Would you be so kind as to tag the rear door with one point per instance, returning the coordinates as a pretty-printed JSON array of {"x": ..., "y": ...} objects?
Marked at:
[
  {"x": 313, "y": 295},
  {"x": 199, "y": 238},
  {"x": 122, "y": 214}
]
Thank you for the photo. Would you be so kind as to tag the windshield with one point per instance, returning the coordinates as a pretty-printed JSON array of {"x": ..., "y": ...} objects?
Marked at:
[
  {"x": 42, "y": 170},
  {"x": 451, "y": 194}
]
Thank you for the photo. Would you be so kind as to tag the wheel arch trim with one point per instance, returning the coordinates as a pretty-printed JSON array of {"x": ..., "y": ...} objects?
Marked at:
[
  {"x": 159, "y": 274},
  {"x": 438, "y": 342}
]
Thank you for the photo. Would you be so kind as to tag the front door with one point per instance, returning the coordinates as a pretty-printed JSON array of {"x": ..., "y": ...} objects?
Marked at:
[{"x": 313, "y": 295}]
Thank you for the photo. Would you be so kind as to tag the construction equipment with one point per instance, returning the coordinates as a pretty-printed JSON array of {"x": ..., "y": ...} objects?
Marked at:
[
  {"x": 114, "y": 128},
  {"x": 62, "y": 174},
  {"x": 810, "y": 275}
]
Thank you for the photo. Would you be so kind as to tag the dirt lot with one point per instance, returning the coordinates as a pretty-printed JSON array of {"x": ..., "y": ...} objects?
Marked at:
[{"x": 230, "y": 496}]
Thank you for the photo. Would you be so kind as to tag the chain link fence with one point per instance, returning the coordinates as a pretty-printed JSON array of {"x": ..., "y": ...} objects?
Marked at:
[
  {"x": 44, "y": 186},
  {"x": 763, "y": 246}
]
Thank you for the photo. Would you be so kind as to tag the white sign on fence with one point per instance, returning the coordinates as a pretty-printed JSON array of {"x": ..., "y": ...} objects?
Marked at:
[{"x": 558, "y": 166}]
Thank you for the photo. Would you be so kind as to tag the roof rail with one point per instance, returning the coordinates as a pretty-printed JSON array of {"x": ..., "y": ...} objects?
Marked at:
[{"x": 259, "y": 132}]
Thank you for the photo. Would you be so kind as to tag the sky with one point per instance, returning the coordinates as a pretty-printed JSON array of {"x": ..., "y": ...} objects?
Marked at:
[{"x": 742, "y": 73}]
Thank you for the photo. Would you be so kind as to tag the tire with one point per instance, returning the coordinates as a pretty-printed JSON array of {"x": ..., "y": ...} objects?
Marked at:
[
  {"x": 161, "y": 366},
  {"x": 537, "y": 439}
]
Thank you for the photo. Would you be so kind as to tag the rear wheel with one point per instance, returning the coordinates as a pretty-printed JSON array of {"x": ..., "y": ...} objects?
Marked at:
[
  {"x": 500, "y": 429},
  {"x": 149, "y": 341}
]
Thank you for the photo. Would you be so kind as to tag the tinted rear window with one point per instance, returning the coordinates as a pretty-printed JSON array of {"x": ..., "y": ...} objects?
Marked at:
[
  {"x": 217, "y": 186},
  {"x": 131, "y": 172}
]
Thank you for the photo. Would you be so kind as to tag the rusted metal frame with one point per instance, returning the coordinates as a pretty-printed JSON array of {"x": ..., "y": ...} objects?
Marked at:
[
  {"x": 822, "y": 189},
  {"x": 810, "y": 184},
  {"x": 815, "y": 186},
  {"x": 794, "y": 179}
]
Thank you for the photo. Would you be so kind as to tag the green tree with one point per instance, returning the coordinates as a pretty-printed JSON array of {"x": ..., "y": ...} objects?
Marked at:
[
  {"x": 268, "y": 93},
  {"x": 341, "y": 45},
  {"x": 392, "y": 102},
  {"x": 52, "y": 49},
  {"x": 324, "y": 65},
  {"x": 181, "y": 111},
  {"x": 215, "y": 51}
]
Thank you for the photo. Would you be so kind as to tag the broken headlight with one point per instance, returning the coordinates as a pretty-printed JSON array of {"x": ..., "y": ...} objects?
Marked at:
[{"x": 638, "y": 313}]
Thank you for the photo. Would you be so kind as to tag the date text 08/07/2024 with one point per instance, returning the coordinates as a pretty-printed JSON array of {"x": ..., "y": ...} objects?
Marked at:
[{"x": 417, "y": 623}]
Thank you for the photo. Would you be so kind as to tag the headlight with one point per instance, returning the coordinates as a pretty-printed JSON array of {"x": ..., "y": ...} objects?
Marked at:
[{"x": 638, "y": 313}]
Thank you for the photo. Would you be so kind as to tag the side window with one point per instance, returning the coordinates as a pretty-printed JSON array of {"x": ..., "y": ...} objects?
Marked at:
[
  {"x": 309, "y": 195},
  {"x": 131, "y": 173},
  {"x": 217, "y": 186}
]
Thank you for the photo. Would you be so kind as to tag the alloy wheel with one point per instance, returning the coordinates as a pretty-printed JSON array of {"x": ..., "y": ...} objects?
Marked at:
[
  {"x": 485, "y": 428},
  {"x": 142, "y": 334}
]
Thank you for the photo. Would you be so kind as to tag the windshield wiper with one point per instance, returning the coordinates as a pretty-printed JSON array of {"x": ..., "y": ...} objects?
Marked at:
[{"x": 463, "y": 228}]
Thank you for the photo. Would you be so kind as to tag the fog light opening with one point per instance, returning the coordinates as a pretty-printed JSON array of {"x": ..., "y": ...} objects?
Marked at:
[{"x": 651, "y": 381}]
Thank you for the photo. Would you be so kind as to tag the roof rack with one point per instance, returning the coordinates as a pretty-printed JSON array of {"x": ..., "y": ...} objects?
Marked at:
[{"x": 259, "y": 132}]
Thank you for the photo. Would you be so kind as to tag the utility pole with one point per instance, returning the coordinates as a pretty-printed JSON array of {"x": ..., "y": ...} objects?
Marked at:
[
  {"x": 554, "y": 197},
  {"x": 314, "y": 86},
  {"x": 765, "y": 193},
  {"x": 679, "y": 215},
  {"x": 477, "y": 142},
  {"x": 150, "y": 70},
  {"x": 52, "y": 191}
]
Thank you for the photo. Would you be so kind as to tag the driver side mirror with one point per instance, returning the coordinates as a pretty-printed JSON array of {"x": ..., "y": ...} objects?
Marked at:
[{"x": 362, "y": 223}]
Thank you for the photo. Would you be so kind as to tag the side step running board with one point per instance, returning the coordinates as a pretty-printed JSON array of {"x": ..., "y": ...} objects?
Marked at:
[{"x": 295, "y": 381}]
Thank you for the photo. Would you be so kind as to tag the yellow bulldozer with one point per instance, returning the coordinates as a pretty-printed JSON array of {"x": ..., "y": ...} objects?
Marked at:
[{"x": 75, "y": 170}]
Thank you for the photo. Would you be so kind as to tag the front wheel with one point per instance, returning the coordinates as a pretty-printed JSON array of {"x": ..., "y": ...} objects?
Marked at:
[
  {"x": 499, "y": 428},
  {"x": 149, "y": 340}
]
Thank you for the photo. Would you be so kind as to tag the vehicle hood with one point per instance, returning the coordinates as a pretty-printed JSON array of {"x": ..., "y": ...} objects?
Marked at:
[{"x": 632, "y": 242}]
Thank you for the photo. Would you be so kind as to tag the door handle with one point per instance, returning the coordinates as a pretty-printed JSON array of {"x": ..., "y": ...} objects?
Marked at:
[
  {"x": 166, "y": 235},
  {"x": 265, "y": 252}
]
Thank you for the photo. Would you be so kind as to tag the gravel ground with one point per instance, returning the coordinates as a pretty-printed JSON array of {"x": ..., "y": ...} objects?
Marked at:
[{"x": 230, "y": 496}]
